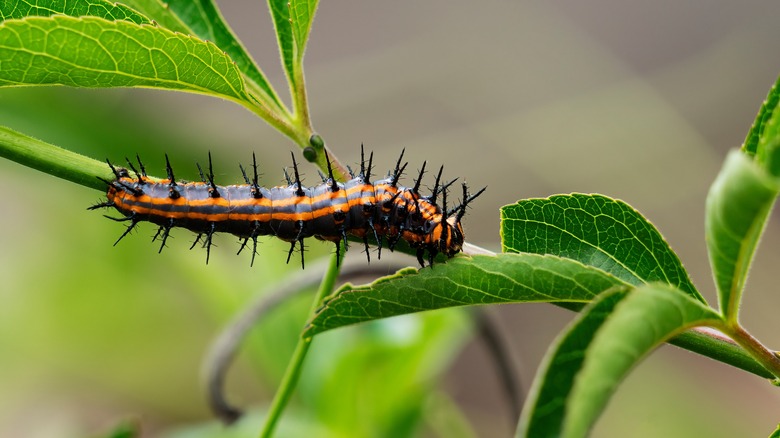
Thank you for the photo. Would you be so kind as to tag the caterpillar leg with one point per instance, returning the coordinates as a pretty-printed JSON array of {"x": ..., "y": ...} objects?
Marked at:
[
  {"x": 254, "y": 248},
  {"x": 299, "y": 238},
  {"x": 133, "y": 222},
  {"x": 292, "y": 249},
  {"x": 365, "y": 243},
  {"x": 163, "y": 232}
]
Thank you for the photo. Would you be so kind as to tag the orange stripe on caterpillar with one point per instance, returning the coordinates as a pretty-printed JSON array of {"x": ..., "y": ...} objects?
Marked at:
[{"x": 382, "y": 210}]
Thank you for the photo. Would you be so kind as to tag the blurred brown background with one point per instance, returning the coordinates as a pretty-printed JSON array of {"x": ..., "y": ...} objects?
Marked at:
[{"x": 636, "y": 100}]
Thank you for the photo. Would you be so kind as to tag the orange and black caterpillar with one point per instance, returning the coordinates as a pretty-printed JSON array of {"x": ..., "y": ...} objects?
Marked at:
[{"x": 328, "y": 211}]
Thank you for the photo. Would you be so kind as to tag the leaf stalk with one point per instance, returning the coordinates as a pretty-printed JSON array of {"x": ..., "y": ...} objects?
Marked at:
[{"x": 761, "y": 353}]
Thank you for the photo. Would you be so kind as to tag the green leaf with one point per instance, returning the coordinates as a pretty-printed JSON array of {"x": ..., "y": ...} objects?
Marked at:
[
  {"x": 597, "y": 231},
  {"x": 162, "y": 15},
  {"x": 280, "y": 12},
  {"x": 10, "y": 9},
  {"x": 302, "y": 16},
  {"x": 292, "y": 20},
  {"x": 738, "y": 205},
  {"x": 463, "y": 281},
  {"x": 776, "y": 433},
  {"x": 93, "y": 52},
  {"x": 768, "y": 151},
  {"x": 585, "y": 368},
  {"x": 646, "y": 318},
  {"x": 750, "y": 147},
  {"x": 544, "y": 409},
  {"x": 205, "y": 20}
]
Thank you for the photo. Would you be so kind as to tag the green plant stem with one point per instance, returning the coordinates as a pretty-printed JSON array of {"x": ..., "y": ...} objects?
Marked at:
[
  {"x": 716, "y": 345},
  {"x": 763, "y": 355},
  {"x": 281, "y": 121},
  {"x": 56, "y": 161},
  {"x": 294, "y": 367},
  {"x": 301, "y": 100},
  {"x": 297, "y": 130},
  {"x": 339, "y": 171}
]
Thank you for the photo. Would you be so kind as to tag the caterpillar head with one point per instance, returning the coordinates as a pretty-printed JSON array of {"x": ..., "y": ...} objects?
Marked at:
[
  {"x": 447, "y": 236},
  {"x": 456, "y": 237}
]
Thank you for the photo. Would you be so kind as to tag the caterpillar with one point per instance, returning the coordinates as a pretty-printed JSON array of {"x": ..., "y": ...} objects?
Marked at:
[{"x": 328, "y": 211}]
